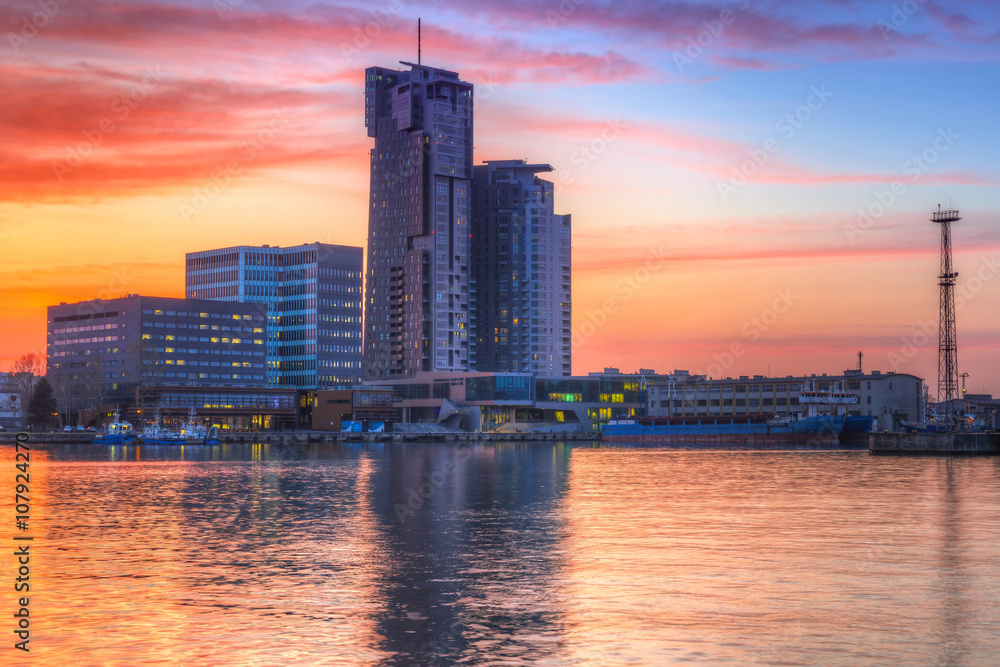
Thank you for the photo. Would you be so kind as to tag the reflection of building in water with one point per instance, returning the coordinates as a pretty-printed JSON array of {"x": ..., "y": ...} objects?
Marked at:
[
  {"x": 476, "y": 536},
  {"x": 294, "y": 538}
]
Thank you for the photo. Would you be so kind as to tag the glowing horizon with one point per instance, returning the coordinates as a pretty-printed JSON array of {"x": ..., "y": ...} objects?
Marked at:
[{"x": 713, "y": 156}]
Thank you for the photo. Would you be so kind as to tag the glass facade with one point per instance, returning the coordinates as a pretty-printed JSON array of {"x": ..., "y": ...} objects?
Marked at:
[
  {"x": 589, "y": 390},
  {"x": 520, "y": 272},
  {"x": 313, "y": 298},
  {"x": 227, "y": 400},
  {"x": 499, "y": 388}
]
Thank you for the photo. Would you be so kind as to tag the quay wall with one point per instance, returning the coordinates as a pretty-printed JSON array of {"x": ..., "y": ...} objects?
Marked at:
[{"x": 934, "y": 443}]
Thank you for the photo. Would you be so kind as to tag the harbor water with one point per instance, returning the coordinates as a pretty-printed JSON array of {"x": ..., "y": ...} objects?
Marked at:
[{"x": 507, "y": 554}]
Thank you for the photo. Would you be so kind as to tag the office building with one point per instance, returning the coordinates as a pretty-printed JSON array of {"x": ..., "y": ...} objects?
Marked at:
[
  {"x": 520, "y": 265},
  {"x": 312, "y": 294},
  {"x": 99, "y": 351},
  {"x": 417, "y": 309}
]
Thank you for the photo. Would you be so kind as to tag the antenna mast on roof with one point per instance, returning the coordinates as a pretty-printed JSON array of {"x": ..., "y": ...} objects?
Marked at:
[{"x": 418, "y": 40}]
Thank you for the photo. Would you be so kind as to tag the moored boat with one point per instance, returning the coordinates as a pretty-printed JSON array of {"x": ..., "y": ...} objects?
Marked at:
[
  {"x": 856, "y": 430},
  {"x": 116, "y": 432},
  {"x": 820, "y": 423},
  {"x": 195, "y": 432},
  {"x": 156, "y": 434},
  {"x": 819, "y": 431}
]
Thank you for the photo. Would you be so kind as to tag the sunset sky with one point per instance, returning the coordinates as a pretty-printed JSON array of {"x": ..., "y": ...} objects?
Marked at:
[{"x": 714, "y": 156}]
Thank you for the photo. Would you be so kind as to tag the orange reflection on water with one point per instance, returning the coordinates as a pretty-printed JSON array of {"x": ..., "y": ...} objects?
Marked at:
[
  {"x": 143, "y": 567},
  {"x": 760, "y": 558}
]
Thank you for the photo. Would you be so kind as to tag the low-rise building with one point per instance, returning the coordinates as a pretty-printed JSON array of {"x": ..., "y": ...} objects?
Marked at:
[
  {"x": 330, "y": 408},
  {"x": 10, "y": 403},
  {"x": 889, "y": 397},
  {"x": 229, "y": 408},
  {"x": 982, "y": 408},
  {"x": 518, "y": 401}
]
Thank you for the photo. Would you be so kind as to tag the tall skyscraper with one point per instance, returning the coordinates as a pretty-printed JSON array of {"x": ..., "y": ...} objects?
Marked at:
[
  {"x": 417, "y": 313},
  {"x": 521, "y": 296},
  {"x": 313, "y": 298}
]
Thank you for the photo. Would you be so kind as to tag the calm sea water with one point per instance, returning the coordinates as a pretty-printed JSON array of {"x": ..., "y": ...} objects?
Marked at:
[{"x": 507, "y": 554}]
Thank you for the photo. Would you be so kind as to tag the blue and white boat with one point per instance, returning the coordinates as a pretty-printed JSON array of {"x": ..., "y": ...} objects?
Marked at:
[
  {"x": 116, "y": 432},
  {"x": 195, "y": 433},
  {"x": 155, "y": 434}
]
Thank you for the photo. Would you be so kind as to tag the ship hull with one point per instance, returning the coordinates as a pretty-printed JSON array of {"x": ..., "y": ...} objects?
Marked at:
[
  {"x": 819, "y": 431},
  {"x": 113, "y": 440},
  {"x": 163, "y": 441},
  {"x": 855, "y": 432},
  {"x": 755, "y": 440}
]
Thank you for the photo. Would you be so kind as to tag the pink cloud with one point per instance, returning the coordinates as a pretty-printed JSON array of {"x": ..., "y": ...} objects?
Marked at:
[
  {"x": 674, "y": 26},
  {"x": 74, "y": 132}
]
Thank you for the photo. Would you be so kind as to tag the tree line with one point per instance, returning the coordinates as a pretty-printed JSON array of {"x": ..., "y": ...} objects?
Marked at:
[{"x": 35, "y": 397}]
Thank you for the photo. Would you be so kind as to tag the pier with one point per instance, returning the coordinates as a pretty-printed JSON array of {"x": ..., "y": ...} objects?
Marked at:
[
  {"x": 935, "y": 444},
  {"x": 301, "y": 437},
  {"x": 308, "y": 437}
]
